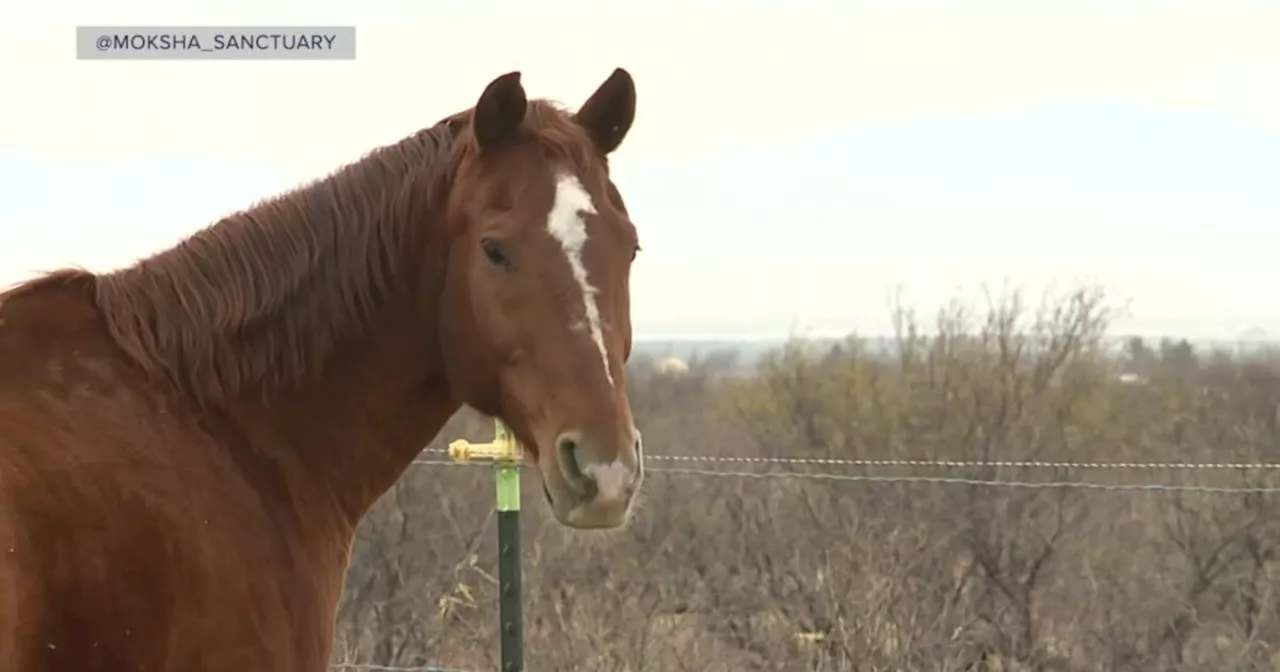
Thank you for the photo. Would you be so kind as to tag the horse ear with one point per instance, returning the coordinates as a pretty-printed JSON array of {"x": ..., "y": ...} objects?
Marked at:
[
  {"x": 608, "y": 113},
  {"x": 499, "y": 111}
]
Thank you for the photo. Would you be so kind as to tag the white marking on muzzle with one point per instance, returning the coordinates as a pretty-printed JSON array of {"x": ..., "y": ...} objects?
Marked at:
[
  {"x": 567, "y": 226},
  {"x": 611, "y": 479}
]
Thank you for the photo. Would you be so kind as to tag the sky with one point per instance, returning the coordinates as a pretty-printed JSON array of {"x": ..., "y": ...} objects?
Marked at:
[{"x": 792, "y": 164}]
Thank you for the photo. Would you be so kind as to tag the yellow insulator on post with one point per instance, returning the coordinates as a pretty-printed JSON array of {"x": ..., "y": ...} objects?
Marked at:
[{"x": 503, "y": 447}]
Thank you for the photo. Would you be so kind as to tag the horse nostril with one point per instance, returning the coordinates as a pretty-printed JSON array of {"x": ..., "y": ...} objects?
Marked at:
[{"x": 567, "y": 448}]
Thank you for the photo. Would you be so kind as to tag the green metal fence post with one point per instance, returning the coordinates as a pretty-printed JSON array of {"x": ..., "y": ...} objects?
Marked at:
[{"x": 505, "y": 453}]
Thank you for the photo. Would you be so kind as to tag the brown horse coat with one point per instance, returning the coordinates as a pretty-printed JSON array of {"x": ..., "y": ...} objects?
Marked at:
[{"x": 188, "y": 444}]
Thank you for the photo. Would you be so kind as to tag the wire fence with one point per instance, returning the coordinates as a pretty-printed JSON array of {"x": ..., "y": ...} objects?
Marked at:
[
  {"x": 656, "y": 464},
  {"x": 944, "y": 464},
  {"x": 1028, "y": 465}
]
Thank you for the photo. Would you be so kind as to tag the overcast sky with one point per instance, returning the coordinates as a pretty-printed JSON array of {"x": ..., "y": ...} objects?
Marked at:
[{"x": 791, "y": 163}]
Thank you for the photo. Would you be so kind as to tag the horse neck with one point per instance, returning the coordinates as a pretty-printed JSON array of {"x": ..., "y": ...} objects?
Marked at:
[
  {"x": 312, "y": 321},
  {"x": 357, "y": 421},
  {"x": 352, "y": 431}
]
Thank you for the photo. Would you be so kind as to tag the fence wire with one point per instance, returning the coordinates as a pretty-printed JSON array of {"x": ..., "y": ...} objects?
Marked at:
[
  {"x": 953, "y": 464},
  {"x": 942, "y": 480}
]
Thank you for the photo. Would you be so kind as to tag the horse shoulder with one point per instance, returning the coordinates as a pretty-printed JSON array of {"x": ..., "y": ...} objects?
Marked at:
[{"x": 121, "y": 512}]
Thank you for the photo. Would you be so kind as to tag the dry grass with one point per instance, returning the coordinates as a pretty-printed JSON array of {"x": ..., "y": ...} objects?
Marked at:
[{"x": 723, "y": 574}]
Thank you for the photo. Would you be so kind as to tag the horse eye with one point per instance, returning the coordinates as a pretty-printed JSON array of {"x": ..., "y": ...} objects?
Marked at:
[
  {"x": 635, "y": 252},
  {"x": 493, "y": 252}
]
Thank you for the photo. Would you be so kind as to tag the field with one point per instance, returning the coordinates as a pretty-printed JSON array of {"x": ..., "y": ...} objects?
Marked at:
[{"x": 993, "y": 568}]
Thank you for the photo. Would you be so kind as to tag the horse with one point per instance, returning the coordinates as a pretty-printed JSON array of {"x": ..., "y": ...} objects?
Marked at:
[{"x": 187, "y": 444}]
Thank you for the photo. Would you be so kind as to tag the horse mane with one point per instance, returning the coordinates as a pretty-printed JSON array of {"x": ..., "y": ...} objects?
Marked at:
[{"x": 263, "y": 297}]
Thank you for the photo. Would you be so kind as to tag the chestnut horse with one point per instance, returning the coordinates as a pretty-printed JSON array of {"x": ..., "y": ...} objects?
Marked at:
[{"x": 188, "y": 444}]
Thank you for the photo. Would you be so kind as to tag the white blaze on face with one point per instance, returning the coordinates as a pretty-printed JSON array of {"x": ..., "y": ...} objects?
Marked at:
[{"x": 566, "y": 225}]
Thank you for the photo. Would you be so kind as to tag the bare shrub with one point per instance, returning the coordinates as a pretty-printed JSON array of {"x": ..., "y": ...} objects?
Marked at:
[{"x": 783, "y": 573}]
